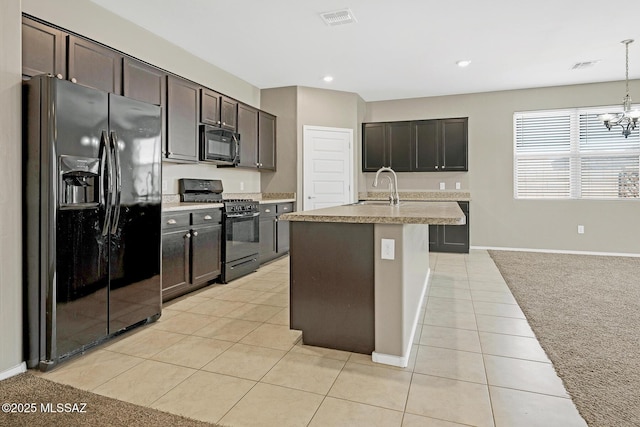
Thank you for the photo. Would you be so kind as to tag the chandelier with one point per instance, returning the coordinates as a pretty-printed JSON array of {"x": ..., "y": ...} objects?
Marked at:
[{"x": 628, "y": 119}]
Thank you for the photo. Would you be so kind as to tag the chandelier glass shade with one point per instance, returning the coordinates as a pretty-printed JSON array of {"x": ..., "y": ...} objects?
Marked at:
[{"x": 628, "y": 119}]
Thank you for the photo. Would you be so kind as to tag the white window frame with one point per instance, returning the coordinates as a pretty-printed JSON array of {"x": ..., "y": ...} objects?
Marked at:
[{"x": 575, "y": 156}]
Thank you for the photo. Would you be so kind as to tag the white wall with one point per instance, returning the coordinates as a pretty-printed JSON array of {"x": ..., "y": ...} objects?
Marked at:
[
  {"x": 10, "y": 196},
  {"x": 497, "y": 219}
]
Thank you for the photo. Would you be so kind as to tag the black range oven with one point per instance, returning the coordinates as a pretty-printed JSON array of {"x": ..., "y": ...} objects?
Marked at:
[
  {"x": 241, "y": 219},
  {"x": 241, "y": 226}
]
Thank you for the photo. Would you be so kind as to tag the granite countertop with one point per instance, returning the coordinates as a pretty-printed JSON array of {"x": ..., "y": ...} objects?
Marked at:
[
  {"x": 420, "y": 196},
  {"x": 442, "y": 213},
  {"x": 172, "y": 203}
]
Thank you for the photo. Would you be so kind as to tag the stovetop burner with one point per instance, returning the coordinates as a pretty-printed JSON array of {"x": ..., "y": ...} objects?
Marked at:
[{"x": 237, "y": 200}]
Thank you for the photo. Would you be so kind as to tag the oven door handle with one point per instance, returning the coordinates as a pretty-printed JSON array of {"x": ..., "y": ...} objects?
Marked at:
[{"x": 243, "y": 215}]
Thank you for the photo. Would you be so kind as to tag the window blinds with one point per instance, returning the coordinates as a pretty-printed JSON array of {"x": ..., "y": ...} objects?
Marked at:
[{"x": 570, "y": 154}]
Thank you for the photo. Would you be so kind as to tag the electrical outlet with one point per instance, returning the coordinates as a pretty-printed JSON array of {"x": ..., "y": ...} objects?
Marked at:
[
  {"x": 388, "y": 249},
  {"x": 241, "y": 185},
  {"x": 457, "y": 185},
  {"x": 581, "y": 229},
  {"x": 442, "y": 186}
]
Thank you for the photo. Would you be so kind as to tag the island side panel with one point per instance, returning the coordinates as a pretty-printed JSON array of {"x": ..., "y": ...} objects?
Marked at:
[
  {"x": 400, "y": 285},
  {"x": 332, "y": 284}
]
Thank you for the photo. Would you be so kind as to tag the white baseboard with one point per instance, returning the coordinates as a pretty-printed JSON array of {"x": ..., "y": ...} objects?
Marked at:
[
  {"x": 390, "y": 359},
  {"x": 18, "y": 369},
  {"x": 555, "y": 251},
  {"x": 403, "y": 361}
]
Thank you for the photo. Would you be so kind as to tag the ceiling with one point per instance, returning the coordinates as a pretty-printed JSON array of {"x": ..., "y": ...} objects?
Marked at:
[{"x": 400, "y": 48}]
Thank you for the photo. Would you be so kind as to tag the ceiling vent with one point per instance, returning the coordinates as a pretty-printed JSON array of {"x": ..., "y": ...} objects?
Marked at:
[
  {"x": 581, "y": 65},
  {"x": 338, "y": 17}
]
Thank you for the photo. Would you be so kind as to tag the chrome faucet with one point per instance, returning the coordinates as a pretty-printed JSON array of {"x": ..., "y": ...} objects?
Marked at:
[{"x": 394, "y": 198}]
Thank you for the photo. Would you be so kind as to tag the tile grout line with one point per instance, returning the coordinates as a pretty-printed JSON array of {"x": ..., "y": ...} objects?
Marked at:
[{"x": 484, "y": 365}]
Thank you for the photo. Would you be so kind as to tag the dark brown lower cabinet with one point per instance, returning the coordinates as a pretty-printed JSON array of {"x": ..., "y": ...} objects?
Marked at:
[
  {"x": 274, "y": 233},
  {"x": 450, "y": 238},
  {"x": 176, "y": 250},
  {"x": 191, "y": 251}
]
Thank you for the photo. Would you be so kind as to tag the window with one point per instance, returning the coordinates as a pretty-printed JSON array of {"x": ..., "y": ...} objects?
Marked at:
[{"x": 570, "y": 154}]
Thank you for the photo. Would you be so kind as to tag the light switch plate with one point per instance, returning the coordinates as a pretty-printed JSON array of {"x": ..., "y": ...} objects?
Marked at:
[
  {"x": 457, "y": 185},
  {"x": 442, "y": 186},
  {"x": 388, "y": 247}
]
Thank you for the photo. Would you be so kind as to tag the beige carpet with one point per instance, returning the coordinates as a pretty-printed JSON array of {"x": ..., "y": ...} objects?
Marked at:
[
  {"x": 100, "y": 411},
  {"x": 585, "y": 311}
]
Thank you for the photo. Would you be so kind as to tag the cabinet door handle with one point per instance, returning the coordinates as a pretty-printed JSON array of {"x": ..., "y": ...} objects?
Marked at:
[
  {"x": 267, "y": 210},
  {"x": 59, "y": 76},
  {"x": 73, "y": 80},
  {"x": 436, "y": 167},
  {"x": 207, "y": 217},
  {"x": 442, "y": 167},
  {"x": 172, "y": 221},
  {"x": 188, "y": 235},
  {"x": 285, "y": 208},
  {"x": 218, "y": 121},
  {"x": 195, "y": 234}
]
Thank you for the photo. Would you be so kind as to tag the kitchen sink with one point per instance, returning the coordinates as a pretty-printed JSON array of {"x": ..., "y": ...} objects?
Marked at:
[{"x": 374, "y": 203}]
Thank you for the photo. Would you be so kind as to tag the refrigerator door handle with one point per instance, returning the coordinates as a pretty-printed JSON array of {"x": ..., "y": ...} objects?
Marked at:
[
  {"x": 106, "y": 173},
  {"x": 118, "y": 182}
]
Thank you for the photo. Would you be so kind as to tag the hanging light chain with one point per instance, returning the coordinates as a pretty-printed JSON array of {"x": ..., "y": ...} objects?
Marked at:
[{"x": 626, "y": 43}]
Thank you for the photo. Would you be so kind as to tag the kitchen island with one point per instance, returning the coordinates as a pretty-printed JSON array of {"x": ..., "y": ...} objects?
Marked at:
[{"x": 359, "y": 273}]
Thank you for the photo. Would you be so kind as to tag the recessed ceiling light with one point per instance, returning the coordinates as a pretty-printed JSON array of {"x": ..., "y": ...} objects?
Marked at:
[
  {"x": 463, "y": 63},
  {"x": 327, "y": 79}
]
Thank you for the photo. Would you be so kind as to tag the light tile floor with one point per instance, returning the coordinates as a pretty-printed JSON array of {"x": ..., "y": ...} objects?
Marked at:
[{"x": 226, "y": 354}]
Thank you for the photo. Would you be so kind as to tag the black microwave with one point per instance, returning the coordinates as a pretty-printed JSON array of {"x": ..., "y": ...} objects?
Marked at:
[{"x": 219, "y": 146}]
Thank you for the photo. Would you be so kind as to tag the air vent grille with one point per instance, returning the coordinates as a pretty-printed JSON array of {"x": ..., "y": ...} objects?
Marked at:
[{"x": 338, "y": 17}]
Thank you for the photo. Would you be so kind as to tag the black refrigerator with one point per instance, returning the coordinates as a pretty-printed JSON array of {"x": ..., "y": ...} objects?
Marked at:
[{"x": 92, "y": 210}]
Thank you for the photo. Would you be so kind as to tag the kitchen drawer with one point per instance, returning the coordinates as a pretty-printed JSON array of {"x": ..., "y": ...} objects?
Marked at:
[
  {"x": 268, "y": 210},
  {"x": 175, "y": 220},
  {"x": 206, "y": 216},
  {"x": 284, "y": 208}
]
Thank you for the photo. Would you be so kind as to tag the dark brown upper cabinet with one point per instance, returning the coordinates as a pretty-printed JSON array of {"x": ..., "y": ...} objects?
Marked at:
[
  {"x": 229, "y": 113},
  {"x": 144, "y": 82},
  {"x": 438, "y": 145},
  {"x": 386, "y": 144},
  {"x": 43, "y": 50},
  {"x": 210, "y": 107},
  {"x": 257, "y": 131},
  {"x": 248, "y": 130},
  {"x": 93, "y": 65},
  {"x": 183, "y": 102},
  {"x": 454, "y": 143},
  {"x": 266, "y": 141},
  {"x": 218, "y": 110},
  {"x": 399, "y": 142},
  {"x": 374, "y": 146},
  {"x": 426, "y": 150}
]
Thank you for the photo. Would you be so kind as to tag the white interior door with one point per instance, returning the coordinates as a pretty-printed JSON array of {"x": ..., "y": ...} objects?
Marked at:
[{"x": 327, "y": 167}]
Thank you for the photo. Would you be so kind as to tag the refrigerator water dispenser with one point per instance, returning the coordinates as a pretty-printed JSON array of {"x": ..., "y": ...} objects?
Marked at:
[{"x": 79, "y": 182}]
